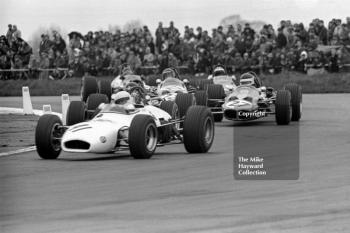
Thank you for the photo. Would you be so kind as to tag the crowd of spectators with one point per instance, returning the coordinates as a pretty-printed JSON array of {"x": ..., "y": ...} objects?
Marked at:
[{"x": 292, "y": 46}]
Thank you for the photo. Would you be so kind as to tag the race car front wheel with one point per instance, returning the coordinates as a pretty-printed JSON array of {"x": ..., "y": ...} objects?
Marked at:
[
  {"x": 201, "y": 98},
  {"x": 296, "y": 100},
  {"x": 283, "y": 107},
  {"x": 143, "y": 137},
  {"x": 198, "y": 130},
  {"x": 48, "y": 134},
  {"x": 184, "y": 101}
]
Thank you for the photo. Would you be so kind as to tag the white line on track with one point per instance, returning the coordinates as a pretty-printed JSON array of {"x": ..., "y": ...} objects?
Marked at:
[
  {"x": 14, "y": 152},
  {"x": 19, "y": 111}
]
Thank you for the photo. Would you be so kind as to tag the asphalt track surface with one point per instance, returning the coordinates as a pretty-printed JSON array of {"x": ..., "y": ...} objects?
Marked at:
[{"x": 179, "y": 192}]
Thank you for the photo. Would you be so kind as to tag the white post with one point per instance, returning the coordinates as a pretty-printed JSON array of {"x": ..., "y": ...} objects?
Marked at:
[
  {"x": 47, "y": 109},
  {"x": 65, "y": 103},
  {"x": 27, "y": 102}
]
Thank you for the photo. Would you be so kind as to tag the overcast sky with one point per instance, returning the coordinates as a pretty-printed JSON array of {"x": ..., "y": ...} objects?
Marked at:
[{"x": 85, "y": 15}]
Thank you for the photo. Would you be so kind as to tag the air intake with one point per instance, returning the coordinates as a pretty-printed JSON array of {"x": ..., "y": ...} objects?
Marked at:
[{"x": 77, "y": 144}]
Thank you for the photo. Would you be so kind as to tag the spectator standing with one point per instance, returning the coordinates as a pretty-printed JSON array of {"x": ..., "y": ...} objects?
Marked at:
[
  {"x": 281, "y": 39},
  {"x": 322, "y": 33},
  {"x": 159, "y": 37},
  {"x": 16, "y": 33},
  {"x": 9, "y": 34},
  {"x": 44, "y": 64},
  {"x": 45, "y": 44}
]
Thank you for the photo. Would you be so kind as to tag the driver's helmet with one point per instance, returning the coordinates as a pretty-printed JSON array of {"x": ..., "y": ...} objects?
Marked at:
[
  {"x": 168, "y": 73},
  {"x": 122, "y": 97},
  {"x": 247, "y": 79},
  {"x": 219, "y": 70}
]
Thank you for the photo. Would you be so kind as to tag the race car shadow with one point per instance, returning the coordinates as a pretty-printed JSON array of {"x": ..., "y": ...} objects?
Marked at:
[
  {"x": 158, "y": 155},
  {"x": 94, "y": 157},
  {"x": 250, "y": 123}
]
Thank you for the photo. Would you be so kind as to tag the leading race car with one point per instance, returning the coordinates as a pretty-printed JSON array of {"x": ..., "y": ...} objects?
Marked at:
[
  {"x": 125, "y": 125},
  {"x": 251, "y": 101}
]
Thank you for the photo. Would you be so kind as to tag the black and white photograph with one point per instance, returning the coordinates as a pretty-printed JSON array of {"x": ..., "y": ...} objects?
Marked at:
[{"x": 157, "y": 116}]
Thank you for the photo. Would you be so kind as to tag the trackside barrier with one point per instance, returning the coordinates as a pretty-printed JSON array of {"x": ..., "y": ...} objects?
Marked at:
[
  {"x": 65, "y": 103},
  {"x": 27, "y": 102},
  {"x": 47, "y": 109}
]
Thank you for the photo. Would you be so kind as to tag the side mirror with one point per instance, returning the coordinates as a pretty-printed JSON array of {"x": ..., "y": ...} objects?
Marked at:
[
  {"x": 158, "y": 81},
  {"x": 186, "y": 81}
]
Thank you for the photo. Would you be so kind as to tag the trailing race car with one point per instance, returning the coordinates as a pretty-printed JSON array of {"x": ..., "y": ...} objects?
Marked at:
[
  {"x": 220, "y": 77},
  {"x": 218, "y": 86},
  {"x": 172, "y": 89},
  {"x": 251, "y": 101},
  {"x": 123, "y": 125}
]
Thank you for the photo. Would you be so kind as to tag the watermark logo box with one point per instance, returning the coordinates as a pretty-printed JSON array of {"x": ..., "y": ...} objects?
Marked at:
[{"x": 265, "y": 151}]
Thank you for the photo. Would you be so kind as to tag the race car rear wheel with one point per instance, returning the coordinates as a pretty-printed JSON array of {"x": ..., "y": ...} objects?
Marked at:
[
  {"x": 166, "y": 132},
  {"x": 48, "y": 134},
  {"x": 76, "y": 112},
  {"x": 296, "y": 100},
  {"x": 198, "y": 130},
  {"x": 203, "y": 84},
  {"x": 92, "y": 103},
  {"x": 94, "y": 100},
  {"x": 184, "y": 101},
  {"x": 283, "y": 107},
  {"x": 89, "y": 86},
  {"x": 143, "y": 137},
  {"x": 216, "y": 91},
  {"x": 104, "y": 87},
  {"x": 201, "y": 98}
]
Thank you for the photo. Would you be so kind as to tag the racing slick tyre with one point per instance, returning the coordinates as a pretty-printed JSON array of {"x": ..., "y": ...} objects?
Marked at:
[
  {"x": 283, "y": 107},
  {"x": 296, "y": 98},
  {"x": 48, "y": 136},
  {"x": 104, "y": 87},
  {"x": 201, "y": 98},
  {"x": 89, "y": 86},
  {"x": 76, "y": 112},
  {"x": 166, "y": 132},
  {"x": 216, "y": 91},
  {"x": 198, "y": 130},
  {"x": 143, "y": 137},
  {"x": 203, "y": 84},
  {"x": 92, "y": 103},
  {"x": 94, "y": 100},
  {"x": 184, "y": 101}
]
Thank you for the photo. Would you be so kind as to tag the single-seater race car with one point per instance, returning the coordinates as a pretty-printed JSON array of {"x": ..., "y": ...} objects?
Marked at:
[
  {"x": 220, "y": 77},
  {"x": 251, "y": 101},
  {"x": 218, "y": 85},
  {"x": 122, "y": 124},
  {"x": 173, "y": 89}
]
